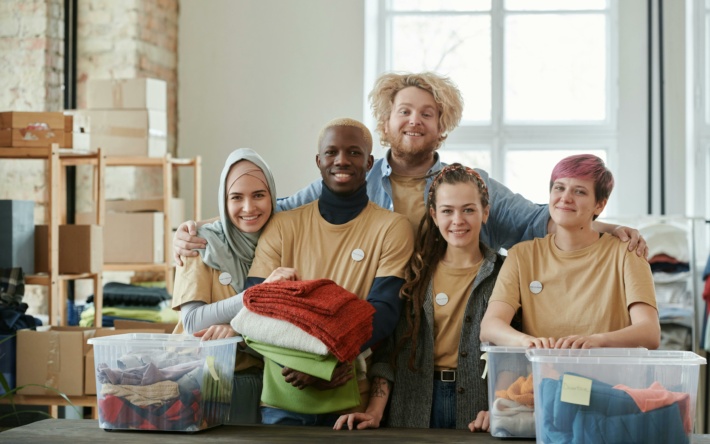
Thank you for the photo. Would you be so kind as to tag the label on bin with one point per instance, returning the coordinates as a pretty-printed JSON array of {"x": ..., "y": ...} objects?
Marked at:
[{"x": 576, "y": 390}]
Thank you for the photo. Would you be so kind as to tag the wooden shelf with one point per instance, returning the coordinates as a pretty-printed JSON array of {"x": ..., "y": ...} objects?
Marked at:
[
  {"x": 168, "y": 164},
  {"x": 57, "y": 160}
]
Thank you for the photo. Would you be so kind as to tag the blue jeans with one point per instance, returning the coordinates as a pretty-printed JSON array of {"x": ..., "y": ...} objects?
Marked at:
[
  {"x": 270, "y": 415},
  {"x": 443, "y": 406},
  {"x": 246, "y": 395}
]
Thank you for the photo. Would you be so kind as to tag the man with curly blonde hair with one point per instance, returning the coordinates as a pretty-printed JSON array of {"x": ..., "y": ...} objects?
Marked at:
[{"x": 415, "y": 113}]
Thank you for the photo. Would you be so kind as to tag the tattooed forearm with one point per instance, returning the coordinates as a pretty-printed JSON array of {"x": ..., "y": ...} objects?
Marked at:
[{"x": 380, "y": 388}]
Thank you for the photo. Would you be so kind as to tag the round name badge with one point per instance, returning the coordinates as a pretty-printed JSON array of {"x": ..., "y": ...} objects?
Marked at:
[
  {"x": 357, "y": 255},
  {"x": 441, "y": 299},
  {"x": 225, "y": 278},
  {"x": 535, "y": 287}
]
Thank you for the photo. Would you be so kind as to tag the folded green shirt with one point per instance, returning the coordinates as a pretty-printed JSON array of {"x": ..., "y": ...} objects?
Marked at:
[{"x": 280, "y": 394}]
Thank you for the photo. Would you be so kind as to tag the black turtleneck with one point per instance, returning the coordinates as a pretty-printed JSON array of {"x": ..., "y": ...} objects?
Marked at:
[{"x": 338, "y": 209}]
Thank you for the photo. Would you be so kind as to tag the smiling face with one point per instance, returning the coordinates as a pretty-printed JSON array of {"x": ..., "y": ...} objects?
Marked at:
[
  {"x": 344, "y": 159},
  {"x": 459, "y": 214},
  {"x": 248, "y": 197},
  {"x": 573, "y": 204},
  {"x": 413, "y": 126}
]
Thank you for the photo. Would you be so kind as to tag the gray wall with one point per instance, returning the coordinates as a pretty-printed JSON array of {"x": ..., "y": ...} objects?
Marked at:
[{"x": 266, "y": 75}]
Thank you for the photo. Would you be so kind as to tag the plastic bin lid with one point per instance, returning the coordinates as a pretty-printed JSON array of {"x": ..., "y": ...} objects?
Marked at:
[
  {"x": 614, "y": 356},
  {"x": 490, "y": 348},
  {"x": 160, "y": 339}
]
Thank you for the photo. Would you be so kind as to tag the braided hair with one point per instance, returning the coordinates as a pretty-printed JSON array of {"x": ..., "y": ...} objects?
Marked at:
[{"x": 429, "y": 249}]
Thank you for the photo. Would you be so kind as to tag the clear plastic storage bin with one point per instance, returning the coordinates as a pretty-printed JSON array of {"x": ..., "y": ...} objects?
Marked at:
[
  {"x": 510, "y": 392},
  {"x": 163, "y": 382},
  {"x": 614, "y": 395}
]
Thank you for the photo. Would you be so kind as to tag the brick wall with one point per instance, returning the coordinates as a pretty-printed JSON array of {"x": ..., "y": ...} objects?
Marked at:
[
  {"x": 32, "y": 50},
  {"x": 126, "y": 39}
]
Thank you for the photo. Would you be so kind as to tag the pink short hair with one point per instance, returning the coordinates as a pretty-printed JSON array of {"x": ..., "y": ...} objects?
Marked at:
[{"x": 585, "y": 166}]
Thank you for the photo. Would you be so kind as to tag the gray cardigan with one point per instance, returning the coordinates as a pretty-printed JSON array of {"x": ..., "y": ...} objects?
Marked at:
[{"x": 412, "y": 392}]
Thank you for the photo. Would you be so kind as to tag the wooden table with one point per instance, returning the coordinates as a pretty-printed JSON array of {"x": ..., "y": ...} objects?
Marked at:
[{"x": 77, "y": 431}]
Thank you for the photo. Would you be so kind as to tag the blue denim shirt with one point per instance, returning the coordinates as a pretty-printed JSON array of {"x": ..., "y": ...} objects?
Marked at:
[{"x": 512, "y": 217}]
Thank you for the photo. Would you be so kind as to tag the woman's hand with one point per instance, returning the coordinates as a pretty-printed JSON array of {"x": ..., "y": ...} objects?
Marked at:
[
  {"x": 481, "y": 423},
  {"x": 185, "y": 241},
  {"x": 341, "y": 375},
  {"x": 578, "y": 341},
  {"x": 358, "y": 421},
  {"x": 531, "y": 342},
  {"x": 633, "y": 236},
  {"x": 218, "y": 331},
  {"x": 283, "y": 274}
]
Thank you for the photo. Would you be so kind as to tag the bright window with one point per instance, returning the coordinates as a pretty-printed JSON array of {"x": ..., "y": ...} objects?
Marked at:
[{"x": 537, "y": 76}]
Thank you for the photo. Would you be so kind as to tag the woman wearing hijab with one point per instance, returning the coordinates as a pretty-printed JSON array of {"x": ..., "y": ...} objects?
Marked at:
[{"x": 208, "y": 287}]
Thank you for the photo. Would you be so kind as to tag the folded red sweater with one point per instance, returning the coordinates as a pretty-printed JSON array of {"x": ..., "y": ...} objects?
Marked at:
[
  {"x": 326, "y": 310},
  {"x": 320, "y": 295}
]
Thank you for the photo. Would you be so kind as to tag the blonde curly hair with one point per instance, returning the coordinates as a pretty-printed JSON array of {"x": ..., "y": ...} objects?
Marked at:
[
  {"x": 446, "y": 95},
  {"x": 346, "y": 121}
]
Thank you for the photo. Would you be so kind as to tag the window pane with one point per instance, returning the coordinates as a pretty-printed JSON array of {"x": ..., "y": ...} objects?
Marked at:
[
  {"x": 459, "y": 47},
  {"x": 551, "y": 5},
  {"x": 528, "y": 172},
  {"x": 555, "y": 68},
  {"x": 470, "y": 158},
  {"x": 441, "y": 5}
]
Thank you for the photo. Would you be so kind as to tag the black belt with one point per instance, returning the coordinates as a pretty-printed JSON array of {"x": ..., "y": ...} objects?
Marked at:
[{"x": 445, "y": 375}]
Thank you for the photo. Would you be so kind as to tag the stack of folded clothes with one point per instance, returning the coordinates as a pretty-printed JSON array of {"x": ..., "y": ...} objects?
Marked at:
[
  {"x": 164, "y": 391},
  {"x": 124, "y": 301},
  {"x": 615, "y": 414},
  {"x": 309, "y": 326}
]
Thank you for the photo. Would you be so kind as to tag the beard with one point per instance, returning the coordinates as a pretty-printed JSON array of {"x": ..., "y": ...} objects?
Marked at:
[{"x": 421, "y": 151}]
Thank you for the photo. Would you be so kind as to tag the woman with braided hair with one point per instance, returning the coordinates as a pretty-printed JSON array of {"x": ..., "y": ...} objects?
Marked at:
[{"x": 431, "y": 367}]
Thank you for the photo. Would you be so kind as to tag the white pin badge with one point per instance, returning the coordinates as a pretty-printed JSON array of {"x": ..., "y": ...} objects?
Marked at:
[
  {"x": 441, "y": 299},
  {"x": 357, "y": 255},
  {"x": 225, "y": 278},
  {"x": 535, "y": 287}
]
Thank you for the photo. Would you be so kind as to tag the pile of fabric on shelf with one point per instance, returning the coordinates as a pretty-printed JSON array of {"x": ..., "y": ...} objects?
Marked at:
[{"x": 135, "y": 302}]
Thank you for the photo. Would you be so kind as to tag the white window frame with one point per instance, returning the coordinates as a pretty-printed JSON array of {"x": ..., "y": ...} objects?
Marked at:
[{"x": 497, "y": 135}]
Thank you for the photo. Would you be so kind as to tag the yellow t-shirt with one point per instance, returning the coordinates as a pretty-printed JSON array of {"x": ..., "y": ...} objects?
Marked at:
[
  {"x": 583, "y": 292},
  {"x": 377, "y": 243},
  {"x": 196, "y": 281},
  {"x": 456, "y": 284},
  {"x": 408, "y": 197}
]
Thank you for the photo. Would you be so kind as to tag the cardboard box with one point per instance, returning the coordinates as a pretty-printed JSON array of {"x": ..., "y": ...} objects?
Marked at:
[
  {"x": 17, "y": 235},
  {"x": 52, "y": 358},
  {"x": 31, "y": 129},
  {"x": 80, "y": 249},
  {"x": 30, "y": 138},
  {"x": 177, "y": 208},
  {"x": 131, "y": 238},
  {"x": 68, "y": 127},
  {"x": 133, "y": 206},
  {"x": 122, "y": 132},
  {"x": 29, "y": 119},
  {"x": 89, "y": 366},
  {"x": 177, "y": 212},
  {"x": 127, "y": 94}
]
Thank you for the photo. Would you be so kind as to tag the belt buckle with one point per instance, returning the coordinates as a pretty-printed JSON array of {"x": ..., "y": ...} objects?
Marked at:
[{"x": 448, "y": 376}]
